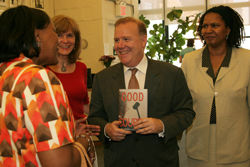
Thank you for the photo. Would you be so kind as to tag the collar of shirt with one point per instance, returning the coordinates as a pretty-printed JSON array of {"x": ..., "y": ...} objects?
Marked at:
[
  {"x": 206, "y": 62},
  {"x": 140, "y": 74}
]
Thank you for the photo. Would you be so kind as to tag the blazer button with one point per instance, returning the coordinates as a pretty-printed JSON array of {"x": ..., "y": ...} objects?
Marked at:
[{"x": 216, "y": 94}]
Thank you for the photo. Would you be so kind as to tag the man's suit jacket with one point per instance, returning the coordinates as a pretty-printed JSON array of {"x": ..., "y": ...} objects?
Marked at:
[
  {"x": 168, "y": 99},
  {"x": 231, "y": 91}
]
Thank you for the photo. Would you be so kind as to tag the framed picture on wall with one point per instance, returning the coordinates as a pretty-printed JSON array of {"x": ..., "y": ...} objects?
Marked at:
[
  {"x": 3, "y": 3},
  {"x": 14, "y": 3},
  {"x": 37, "y": 4}
]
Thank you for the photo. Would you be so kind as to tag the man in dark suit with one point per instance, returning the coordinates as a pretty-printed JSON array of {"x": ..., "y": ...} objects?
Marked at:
[{"x": 170, "y": 110}]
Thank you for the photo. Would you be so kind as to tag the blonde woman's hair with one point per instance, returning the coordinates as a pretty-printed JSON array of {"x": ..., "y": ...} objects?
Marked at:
[{"x": 63, "y": 24}]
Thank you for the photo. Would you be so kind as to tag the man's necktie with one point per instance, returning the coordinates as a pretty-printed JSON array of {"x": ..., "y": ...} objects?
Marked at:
[{"x": 133, "y": 82}]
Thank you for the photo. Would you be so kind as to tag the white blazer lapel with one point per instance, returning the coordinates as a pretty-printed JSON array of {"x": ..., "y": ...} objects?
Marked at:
[
  {"x": 203, "y": 71},
  {"x": 225, "y": 70}
]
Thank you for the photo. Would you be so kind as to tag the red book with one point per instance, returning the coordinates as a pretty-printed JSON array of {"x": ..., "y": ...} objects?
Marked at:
[{"x": 133, "y": 105}]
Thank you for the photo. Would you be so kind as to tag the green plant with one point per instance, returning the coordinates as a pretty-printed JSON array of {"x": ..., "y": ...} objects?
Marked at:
[
  {"x": 146, "y": 21},
  {"x": 169, "y": 49},
  {"x": 107, "y": 60}
]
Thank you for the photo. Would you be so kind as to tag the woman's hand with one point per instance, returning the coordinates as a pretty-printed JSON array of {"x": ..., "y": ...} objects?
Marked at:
[{"x": 91, "y": 130}]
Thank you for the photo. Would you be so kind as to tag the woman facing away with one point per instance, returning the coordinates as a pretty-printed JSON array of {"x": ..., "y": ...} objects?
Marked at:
[
  {"x": 72, "y": 73},
  {"x": 218, "y": 76},
  {"x": 36, "y": 124}
]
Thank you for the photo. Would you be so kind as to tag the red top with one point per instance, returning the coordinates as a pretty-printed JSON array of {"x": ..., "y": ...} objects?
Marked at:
[{"x": 75, "y": 85}]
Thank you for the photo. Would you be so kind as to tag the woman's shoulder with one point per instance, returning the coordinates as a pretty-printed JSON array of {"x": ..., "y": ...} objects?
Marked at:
[
  {"x": 28, "y": 72},
  {"x": 194, "y": 54},
  {"x": 241, "y": 54},
  {"x": 242, "y": 51},
  {"x": 81, "y": 64}
]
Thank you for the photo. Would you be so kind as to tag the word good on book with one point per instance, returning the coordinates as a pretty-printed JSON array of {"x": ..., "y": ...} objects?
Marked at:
[
  {"x": 132, "y": 96},
  {"x": 133, "y": 105}
]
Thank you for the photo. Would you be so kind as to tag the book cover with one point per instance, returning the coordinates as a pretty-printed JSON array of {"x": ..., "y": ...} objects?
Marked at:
[{"x": 133, "y": 105}]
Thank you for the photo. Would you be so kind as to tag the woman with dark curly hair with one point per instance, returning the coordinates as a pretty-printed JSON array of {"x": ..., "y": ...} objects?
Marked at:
[{"x": 218, "y": 76}]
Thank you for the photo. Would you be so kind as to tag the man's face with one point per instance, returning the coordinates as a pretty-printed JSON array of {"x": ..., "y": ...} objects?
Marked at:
[{"x": 128, "y": 44}]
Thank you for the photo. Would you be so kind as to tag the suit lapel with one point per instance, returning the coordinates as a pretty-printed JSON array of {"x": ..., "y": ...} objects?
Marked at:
[
  {"x": 152, "y": 80},
  {"x": 117, "y": 80},
  {"x": 203, "y": 71},
  {"x": 225, "y": 70}
]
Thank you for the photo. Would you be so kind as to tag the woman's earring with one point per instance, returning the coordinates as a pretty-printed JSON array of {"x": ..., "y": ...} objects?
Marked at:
[{"x": 227, "y": 36}]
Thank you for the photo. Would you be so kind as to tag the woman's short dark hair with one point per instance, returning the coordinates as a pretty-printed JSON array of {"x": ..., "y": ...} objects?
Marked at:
[
  {"x": 17, "y": 32},
  {"x": 63, "y": 24},
  {"x": 232, "y": 19}
]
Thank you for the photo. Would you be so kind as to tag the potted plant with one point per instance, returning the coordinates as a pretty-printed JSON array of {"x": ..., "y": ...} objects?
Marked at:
[
  {"x": 165, "y": 49},
  {"x": 107, "y": 60}
]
